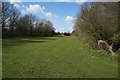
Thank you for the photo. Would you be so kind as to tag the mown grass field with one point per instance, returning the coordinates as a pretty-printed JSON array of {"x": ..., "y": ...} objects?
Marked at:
[{"x": 54, "y": 57}]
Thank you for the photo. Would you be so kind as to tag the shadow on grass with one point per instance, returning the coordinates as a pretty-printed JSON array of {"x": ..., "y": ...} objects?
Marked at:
[
  {"x": 36, "y": 41},
  {"x": 41, "y": 38},
  {"x": 45, "y": 38},
  {"x": 18, "y": 41}
]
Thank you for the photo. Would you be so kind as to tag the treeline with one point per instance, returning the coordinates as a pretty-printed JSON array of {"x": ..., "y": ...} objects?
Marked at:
[
  {"x": 63, "y": 34},
  {"x": 97, "y": 26},
  {"x": 16, "y": 25}
]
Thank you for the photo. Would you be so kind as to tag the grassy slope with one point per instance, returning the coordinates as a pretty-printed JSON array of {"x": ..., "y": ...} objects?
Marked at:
[{"x": 53, "y": 57}]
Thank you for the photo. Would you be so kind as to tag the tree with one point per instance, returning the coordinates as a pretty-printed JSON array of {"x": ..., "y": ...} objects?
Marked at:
[
  {"x": 0, "y": 20},
  {"x": 28, "y": 25},
  {"x": 13, "y": 21},
  {"x": 39, "y": 29},
  {"x": 10, "y": 16},
  {"x": 25, "y": 25},
  {"x": 45, "y": 28},
  {"x": 48, "y": 28},
  {"x": 98, "y": 22}
]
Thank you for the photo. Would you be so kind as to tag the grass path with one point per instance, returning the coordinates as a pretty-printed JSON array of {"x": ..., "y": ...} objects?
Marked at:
[{"x": 53, "y": 57}]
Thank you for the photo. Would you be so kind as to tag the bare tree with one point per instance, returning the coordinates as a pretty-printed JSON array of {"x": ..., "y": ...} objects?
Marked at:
[
  {"x": 10, "y": 16},
  {"x": 98, "y": 23}
]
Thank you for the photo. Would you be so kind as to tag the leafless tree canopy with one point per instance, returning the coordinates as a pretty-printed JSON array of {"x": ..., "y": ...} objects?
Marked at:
[{"x": 98, "y": 21}]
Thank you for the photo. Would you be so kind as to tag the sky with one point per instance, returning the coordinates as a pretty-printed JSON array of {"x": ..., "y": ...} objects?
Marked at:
[{"x": 61, "y": 14}]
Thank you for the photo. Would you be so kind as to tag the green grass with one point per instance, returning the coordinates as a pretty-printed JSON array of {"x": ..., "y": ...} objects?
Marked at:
[
  {"x": 54, "y": 57},
  {"x": 0, "y": 58}
]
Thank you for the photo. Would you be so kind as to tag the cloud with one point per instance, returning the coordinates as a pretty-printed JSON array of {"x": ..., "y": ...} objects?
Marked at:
[
  {"x": 76, "y": 1},
  {"x": 37, "y": 9},
  {"x": 64, "y": 29},
  {"x": 53, "y": 21},
  {"x": 24, "y": 12},
  {"x": 80, "y": 1},
  {"x": 49, "y": 14},
  {"x": 62, "y": 0},
  {"x": 70, "y": 19},
  {"x": 13, "y": 1},
  {"x": 67, "y": 0},
  {"x": 23, "y": 6},
  {"x": 16, "y": 5}
]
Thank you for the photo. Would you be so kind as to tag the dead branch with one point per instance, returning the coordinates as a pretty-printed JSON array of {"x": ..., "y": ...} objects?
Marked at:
[{"x": 110, "y": 47}]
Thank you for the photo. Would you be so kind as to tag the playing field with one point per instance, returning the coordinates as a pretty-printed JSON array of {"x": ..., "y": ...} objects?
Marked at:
[{"x": 53, "y": 57}]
